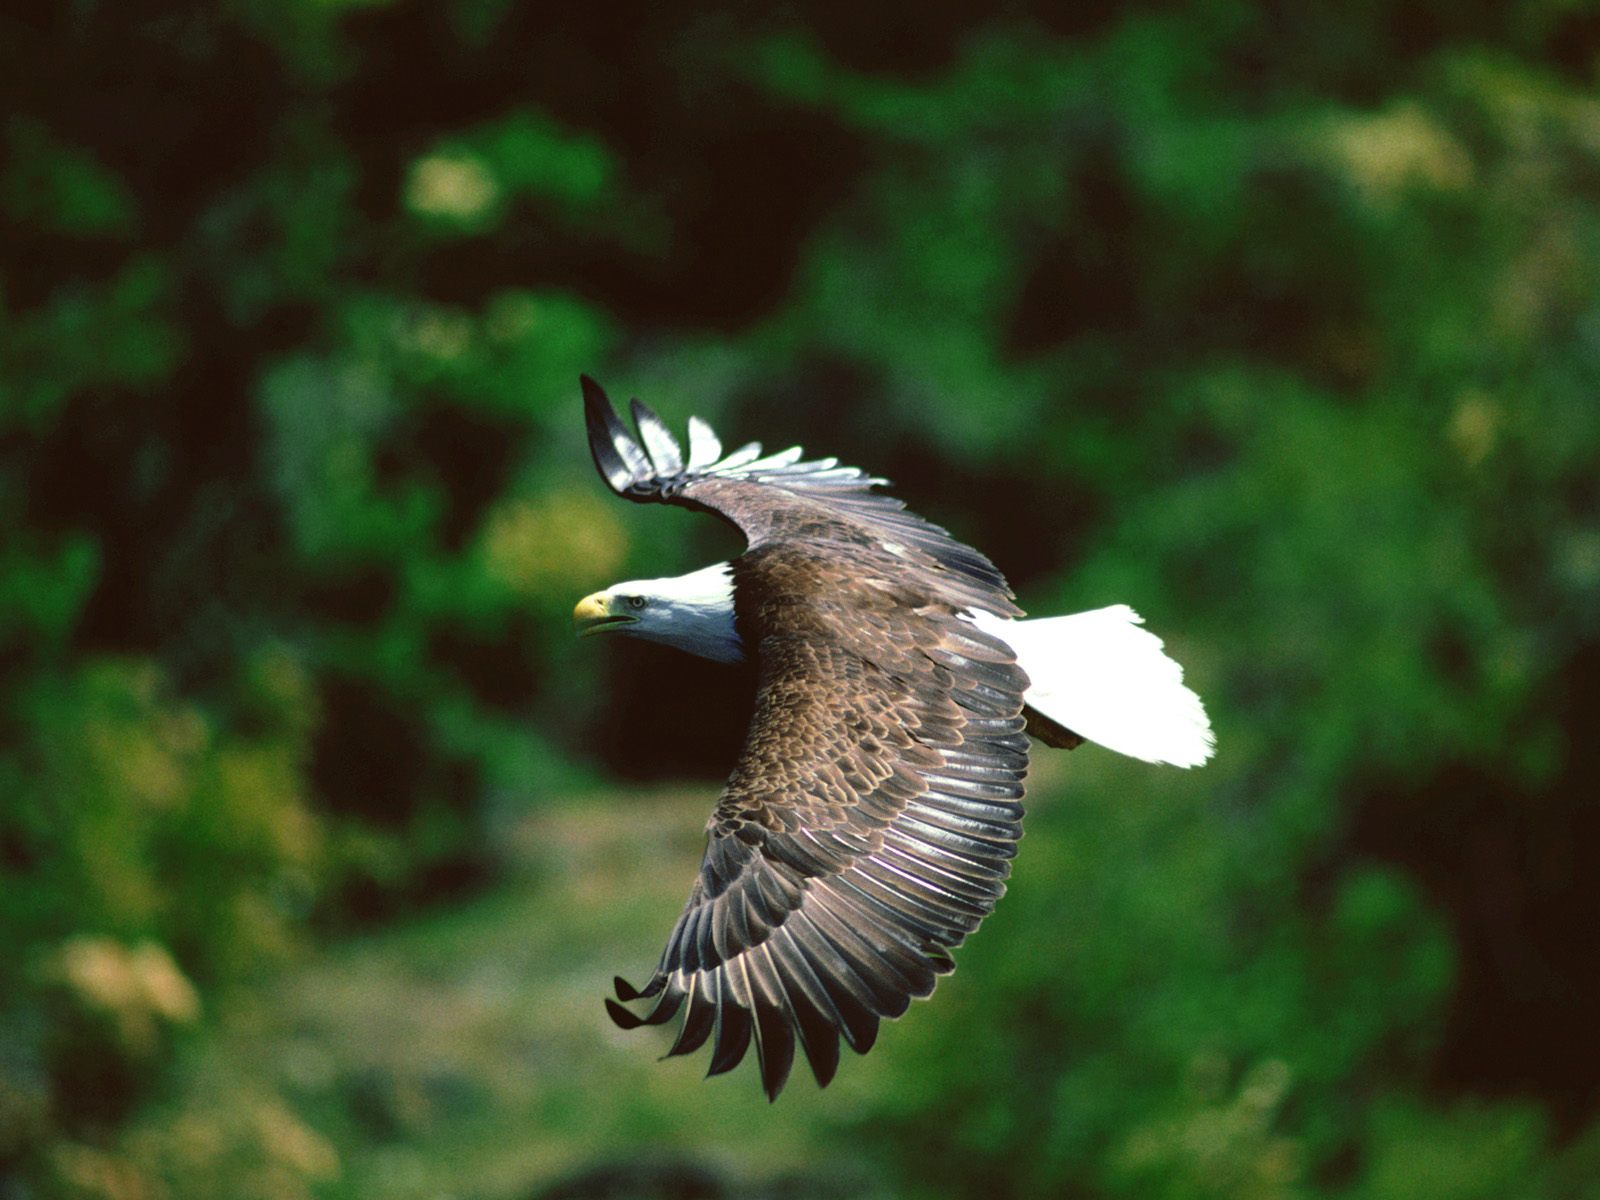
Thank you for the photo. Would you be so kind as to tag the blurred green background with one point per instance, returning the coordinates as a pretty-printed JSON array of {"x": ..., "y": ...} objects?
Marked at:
[{"x": 320, "y": 838}]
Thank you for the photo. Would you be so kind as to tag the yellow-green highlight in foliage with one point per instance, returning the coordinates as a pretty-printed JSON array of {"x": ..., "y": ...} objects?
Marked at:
[{"x": 470, "y": 181}]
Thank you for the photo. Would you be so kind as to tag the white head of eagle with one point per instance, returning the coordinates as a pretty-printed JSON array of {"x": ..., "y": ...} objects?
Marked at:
[
  {"x": 692, "y": 612},
  {"x": 871, "y": 819}
]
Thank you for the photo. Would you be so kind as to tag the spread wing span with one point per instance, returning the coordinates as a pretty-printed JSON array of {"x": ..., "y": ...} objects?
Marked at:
[{"x": 869, "y": 823}]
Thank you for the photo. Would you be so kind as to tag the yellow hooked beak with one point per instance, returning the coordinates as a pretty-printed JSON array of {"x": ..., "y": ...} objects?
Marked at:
[{"x": 597, "y": 613}]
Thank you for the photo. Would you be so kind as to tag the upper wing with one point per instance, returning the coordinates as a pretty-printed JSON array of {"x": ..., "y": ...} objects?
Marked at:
[
  {"x": 779, "y": 497},
  {"x": 868, "y": 825}
]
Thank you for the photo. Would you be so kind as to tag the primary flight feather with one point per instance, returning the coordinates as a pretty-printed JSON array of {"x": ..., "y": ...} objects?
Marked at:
[{"x": 870, "y": 821}]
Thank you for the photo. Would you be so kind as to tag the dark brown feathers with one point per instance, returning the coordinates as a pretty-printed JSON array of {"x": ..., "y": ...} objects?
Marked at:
[{"x": 870, "y": 821}]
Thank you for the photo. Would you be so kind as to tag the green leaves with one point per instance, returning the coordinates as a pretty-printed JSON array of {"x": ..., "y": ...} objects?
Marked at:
[{"x": 55, "y": 186}]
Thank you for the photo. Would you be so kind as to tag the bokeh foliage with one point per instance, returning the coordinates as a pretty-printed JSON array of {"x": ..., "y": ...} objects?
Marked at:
[{"x": 1280, "y": 324}]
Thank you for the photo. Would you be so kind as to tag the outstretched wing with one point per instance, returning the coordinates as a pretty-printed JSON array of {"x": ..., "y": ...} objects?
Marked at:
[
  {"x": 780, "y": 497},
  {"x": 869, "y": 823}
]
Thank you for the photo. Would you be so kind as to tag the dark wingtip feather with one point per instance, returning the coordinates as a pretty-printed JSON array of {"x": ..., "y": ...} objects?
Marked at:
[
  {"x": 659, "y": 443},
  {"x": 604, "y": 429},
  {"x": 863, "y": 1039},
  {"x": 618, "y": 456},
  {"x": 697, "y": 1024},
  {"x": 821, "y": 1044},
  {"x": 774, "y": 1047},
  {"x": 734, "y": 1025},
  {"x": 621, "y": 1017}
]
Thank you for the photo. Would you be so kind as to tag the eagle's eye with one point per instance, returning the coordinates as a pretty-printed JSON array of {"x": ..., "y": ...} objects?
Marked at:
[{"x": 635, "y": 601}]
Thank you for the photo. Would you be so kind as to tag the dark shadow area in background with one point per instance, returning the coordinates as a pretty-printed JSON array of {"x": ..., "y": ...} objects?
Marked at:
[
  {"x": 671, "y": 716},
  {"x": 1518, "y": 874},
  {"x": 739, "y": 180}
]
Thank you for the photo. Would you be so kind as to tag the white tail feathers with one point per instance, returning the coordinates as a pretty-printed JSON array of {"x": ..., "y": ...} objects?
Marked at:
[{"x": 1103, "y": 676}]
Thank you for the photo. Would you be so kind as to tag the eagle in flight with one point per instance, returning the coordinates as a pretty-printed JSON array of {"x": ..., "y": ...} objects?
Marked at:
[{"x": 871, "y": 819}]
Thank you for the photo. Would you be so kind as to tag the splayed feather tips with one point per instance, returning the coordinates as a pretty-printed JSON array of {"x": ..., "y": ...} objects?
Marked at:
[
  {"x": 776, "y": 496},
  {"x": 659, "y": 471}
]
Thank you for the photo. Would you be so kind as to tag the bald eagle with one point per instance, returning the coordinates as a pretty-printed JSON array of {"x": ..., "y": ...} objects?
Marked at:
[{"x": 871, "y": 818}]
